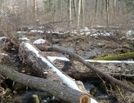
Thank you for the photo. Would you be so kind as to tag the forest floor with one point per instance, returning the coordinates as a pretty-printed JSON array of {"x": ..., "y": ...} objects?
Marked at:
[{"x": 97, "y": 44}]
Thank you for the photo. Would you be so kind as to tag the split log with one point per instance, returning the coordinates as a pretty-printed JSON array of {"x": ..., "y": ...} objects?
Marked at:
[
  {"x": 94, "y": 69},
  {"x": 62, "y": 92}
]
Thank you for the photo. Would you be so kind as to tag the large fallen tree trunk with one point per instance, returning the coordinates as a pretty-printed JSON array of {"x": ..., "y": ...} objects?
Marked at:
[
  {"x": 62, "y": 92},
  {"x": 30, "y": 55},
  {"x": 43, "y": 68}
]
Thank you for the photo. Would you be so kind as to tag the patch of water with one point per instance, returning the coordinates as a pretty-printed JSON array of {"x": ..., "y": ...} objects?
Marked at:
[
  {"x": 98, "y": 93},
  {"x": 71, "y": 49},
  {"x": 84, "y": 55},
  {"x": 89, "y": 54}
]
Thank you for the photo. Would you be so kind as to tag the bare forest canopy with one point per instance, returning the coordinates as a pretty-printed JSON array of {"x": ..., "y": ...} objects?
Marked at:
[{"x": 67, "y": 13}]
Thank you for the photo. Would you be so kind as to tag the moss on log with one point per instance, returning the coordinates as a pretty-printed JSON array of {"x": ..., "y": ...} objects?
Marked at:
[{"x": 117, "y": 57}]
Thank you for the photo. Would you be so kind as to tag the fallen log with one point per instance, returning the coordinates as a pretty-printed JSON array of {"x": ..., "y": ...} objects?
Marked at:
[
  {"x": 62, "y": 92},
  {"x": 43, "y": 68},
  {"x": 30, "y": 55},
  {"x": 96, "y": 70},
  {"x": 77, "y": 70}
]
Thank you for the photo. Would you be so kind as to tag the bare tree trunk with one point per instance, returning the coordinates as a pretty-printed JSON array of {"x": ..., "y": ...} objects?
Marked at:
[
  {"x": 61, "y": 10},
  {"x": 102, "y": 9},
  {"x": 83, "y": 13},
  {"x": 70, "y": 13},
  {"x": 4, "y": 6},
  {"x": 75, "y": 12},
  {"x": 79, "y": 15},
  {"x": 26, "y": 7},
  {"x": 115, "y": 2},
  {"x": 54, "y": 2},
  {"x": 95, "y": 14},
  {"x": 36, "y": 12},
  {"x": 107, "y": 12},
  {"x": 1, "y": 6},
  {"x": 75, "y": 7}
]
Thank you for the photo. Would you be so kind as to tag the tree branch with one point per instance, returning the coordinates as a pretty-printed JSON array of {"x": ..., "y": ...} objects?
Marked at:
[{"x": 108, "y": 77}]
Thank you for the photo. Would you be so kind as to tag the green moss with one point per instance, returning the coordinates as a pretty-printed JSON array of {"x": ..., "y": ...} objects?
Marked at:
[{"x": 117, "y": 57}]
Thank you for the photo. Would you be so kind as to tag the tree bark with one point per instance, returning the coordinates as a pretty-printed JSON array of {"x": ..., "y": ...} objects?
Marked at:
[
  {"x": 35, "y": 9},
  {"x": 107, "y": 12},
  {"x": 78, "y": 71},
  {"x": 79, "y": 14},
  {"x": 96, "y": 70},
  {"x": 83, "y": 13},
  {"x": 75, "y": 8},
  {"x": 30, "y": 55},
  {"x": 62, "y": 92},
  {"x": 69, "y": 13}
]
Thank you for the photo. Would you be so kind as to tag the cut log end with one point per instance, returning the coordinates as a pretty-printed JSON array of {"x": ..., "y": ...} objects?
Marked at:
[{"x": 85, "y": 99}]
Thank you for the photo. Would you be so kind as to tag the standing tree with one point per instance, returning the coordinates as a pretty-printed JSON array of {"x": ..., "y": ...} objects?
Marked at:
[
  {"x": 69, "y": 13},
  {"x": 107, "y": 12},
  {"x": 79, "y": 14},
  {"x": 35, "y": 12},
  {"x": 83, "y": 13}
]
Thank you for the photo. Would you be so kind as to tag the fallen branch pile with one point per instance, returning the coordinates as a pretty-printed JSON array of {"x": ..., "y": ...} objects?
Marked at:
[{"x": 54, "y": 81}]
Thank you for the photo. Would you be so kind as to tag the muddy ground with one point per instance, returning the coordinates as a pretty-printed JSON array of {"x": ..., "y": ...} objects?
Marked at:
[{"x": 87, "y": 46}]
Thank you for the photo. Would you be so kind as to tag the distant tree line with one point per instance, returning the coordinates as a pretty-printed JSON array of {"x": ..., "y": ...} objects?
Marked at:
[{"x": 70, "y": 13}]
